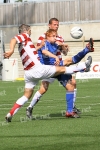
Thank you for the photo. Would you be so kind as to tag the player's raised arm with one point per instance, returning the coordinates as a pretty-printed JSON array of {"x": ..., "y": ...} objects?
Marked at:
[
  {"x": 12, "y": 46},
  {"x": 37, "y": 47},
  {"x": 64, "y": 48},
  {"x": 47, "y": 53}
]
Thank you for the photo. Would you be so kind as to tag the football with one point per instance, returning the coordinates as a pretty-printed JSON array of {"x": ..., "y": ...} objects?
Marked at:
[{"x": 76, "y": 32}]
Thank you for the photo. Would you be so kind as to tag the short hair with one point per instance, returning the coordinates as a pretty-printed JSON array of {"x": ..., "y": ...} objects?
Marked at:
[
  {"x": 49, "y": 32},
  {"x": 23, "y": 28},
  {"x": 53, "y": 19}
]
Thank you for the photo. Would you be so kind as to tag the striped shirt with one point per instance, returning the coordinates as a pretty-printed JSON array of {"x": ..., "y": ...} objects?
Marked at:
[{"x": 27, "y": 51}]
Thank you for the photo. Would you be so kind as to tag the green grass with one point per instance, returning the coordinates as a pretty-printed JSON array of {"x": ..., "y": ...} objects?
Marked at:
[{"x": 50, "y": 130}]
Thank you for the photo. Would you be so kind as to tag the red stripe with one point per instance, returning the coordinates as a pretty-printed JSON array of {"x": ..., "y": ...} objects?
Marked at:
[
  {"x": 29, "y": 66},
  {"x": 22, "y": 52},
  {"x": 58, "y": 53},
  {"x": 25, "y": 37},
  {"x": 41, "y": 38},
  {"x": 29, "y": 40},
  {"x": 34, "y": 52},
  {"x": 19, "y": 38},
  {"x": 25, "y": 59},
  {"x": 32, "y": 46},
  {"x": 60, "y": 59},
  {"x": 38, "y": 44}
]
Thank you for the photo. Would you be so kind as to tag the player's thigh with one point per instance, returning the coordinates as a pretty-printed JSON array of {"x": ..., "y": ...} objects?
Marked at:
[
  {"x": 48, "y": 71},
  {"x": 30, "y": 81},
  {"x": 39, "y": 72}
]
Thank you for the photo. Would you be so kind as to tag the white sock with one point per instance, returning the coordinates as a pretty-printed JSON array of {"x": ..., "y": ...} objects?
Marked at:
[
  {"x": 74, "y": 68},
  {"x": 35, "y": 99},
  {"x": 74, "y": 99},
  {"x": 21, "y": 101}
]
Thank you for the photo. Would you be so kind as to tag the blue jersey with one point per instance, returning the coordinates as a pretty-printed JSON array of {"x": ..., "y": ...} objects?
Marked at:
[
  {"x": 51, "y": 48},
  {"x": 63, "y": 78}
]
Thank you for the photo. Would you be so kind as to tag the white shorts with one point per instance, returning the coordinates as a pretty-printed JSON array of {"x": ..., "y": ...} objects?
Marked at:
[{"x": 37, "y": 73}]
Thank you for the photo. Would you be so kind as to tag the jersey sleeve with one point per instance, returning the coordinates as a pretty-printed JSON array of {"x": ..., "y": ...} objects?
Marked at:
[
  {"x": 42, "y": 37},
  {"x": 21, "y": 37},
  {"x": 60, "y": 39}
]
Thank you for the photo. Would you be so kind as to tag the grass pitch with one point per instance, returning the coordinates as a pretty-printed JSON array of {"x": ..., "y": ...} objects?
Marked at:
[{"x": 50, "y": 130}]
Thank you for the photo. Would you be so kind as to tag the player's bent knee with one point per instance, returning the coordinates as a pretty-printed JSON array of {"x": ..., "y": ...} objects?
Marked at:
[
  {"x": 44, "y": 87},
  {"x": 73, "y": 82}
]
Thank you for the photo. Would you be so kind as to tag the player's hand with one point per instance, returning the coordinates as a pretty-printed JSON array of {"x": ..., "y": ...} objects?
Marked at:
[
  {"x": 7, "y": 54},
  {"x": 57, "y": 62},
  {"x": 65, "y": 50},
  {"x": 42, "y": 43}
]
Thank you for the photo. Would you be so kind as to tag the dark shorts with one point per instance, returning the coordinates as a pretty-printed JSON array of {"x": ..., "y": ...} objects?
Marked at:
[{"x": 64, "y": 78}]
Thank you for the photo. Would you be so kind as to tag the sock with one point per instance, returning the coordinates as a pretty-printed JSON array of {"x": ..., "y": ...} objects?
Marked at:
[
  {"x": 74, "y": 98},
  {"x": 77, "y": 58},
  {"x": 73, "y": 69},
  {"x": 69, "y": 102},
  {"x": 35, "y": 99},
  {"x": 20, "y": 102}
]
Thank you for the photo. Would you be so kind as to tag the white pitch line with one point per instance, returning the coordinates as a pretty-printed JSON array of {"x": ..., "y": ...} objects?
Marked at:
[{"x": 60, "y": 105}]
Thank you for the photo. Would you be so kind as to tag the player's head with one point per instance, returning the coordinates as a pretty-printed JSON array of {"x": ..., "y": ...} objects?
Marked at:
[
  {"x": 51, "y": 35},
  {"x": 24, "y": 29},
  {"x": 54, "y": 24}
]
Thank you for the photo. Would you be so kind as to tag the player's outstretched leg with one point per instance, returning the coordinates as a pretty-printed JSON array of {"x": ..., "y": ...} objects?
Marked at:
[
  {"x": 79, "y": 56},
  {"x": 89, "y": 48}
]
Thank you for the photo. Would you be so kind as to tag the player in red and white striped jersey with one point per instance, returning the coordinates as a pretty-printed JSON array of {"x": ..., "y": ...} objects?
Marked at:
[
  {"x": 25, "y": 43},
  {"x": 34, "y": 70}
]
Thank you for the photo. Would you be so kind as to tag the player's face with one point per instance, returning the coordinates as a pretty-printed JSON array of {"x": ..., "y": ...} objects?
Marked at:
[
  {"x": 52, "y": 38},
  {"x": 29, "y": 32},
  {"x": 54, "y": 25}
]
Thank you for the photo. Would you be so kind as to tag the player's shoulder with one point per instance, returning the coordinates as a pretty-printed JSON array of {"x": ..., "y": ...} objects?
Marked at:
[
  {"x": 59, "y": 38},
  {"x": 41, "y": 37}
]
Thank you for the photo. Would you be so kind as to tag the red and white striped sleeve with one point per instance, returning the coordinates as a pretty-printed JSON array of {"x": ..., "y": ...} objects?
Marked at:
[
  {"x": 60, "y": 39},
  {"x": 21, "y": 37},
  {"x": 42, "y": 37}
]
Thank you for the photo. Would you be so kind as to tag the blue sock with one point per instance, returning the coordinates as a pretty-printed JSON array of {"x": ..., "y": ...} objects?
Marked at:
[
  {"x": 77, "y": 58},
  {"x": 69, "y": 101}
]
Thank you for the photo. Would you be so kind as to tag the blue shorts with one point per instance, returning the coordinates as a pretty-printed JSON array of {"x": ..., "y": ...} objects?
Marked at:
[{"x": 64, "y": 78}]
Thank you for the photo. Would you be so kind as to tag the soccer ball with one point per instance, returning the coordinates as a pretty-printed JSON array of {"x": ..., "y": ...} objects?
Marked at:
[{"x": 76, "y": 32}]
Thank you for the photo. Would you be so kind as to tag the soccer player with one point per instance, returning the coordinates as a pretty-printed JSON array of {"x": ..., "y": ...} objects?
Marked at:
[
  {"x": 65, "y": 80},
  {"x": 54, "y": 24},
  {"x": 34, "y": 70}
]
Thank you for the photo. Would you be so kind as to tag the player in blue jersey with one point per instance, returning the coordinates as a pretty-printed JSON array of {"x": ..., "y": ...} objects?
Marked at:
[{"x": 45, "y": 58}]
